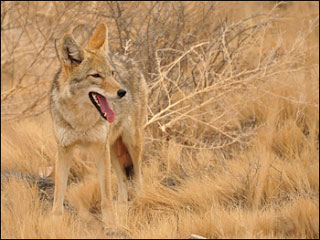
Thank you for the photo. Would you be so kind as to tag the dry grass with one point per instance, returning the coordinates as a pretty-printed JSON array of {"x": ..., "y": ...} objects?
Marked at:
[{"x": 232, "y": 137}]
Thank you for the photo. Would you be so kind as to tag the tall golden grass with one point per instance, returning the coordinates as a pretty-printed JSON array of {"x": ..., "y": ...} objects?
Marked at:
[{"x": 232, "y": 136}]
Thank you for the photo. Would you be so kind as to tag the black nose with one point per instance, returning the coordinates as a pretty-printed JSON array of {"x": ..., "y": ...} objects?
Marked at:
[{"x": 121, "y": 93}]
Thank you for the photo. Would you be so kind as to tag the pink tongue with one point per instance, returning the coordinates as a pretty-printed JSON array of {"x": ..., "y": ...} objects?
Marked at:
[{"x": 105, "y": 108}]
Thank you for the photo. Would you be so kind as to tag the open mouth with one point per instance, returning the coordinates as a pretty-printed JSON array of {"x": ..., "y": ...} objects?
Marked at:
[{"x": 101, "y": 103}]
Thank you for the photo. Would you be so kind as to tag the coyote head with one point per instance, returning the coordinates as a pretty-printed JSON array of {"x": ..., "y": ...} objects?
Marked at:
[{"x": 90, "y": 73}]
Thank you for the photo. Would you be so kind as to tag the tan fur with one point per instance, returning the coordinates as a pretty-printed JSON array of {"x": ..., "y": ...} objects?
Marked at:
[{"x": 77, "y": 122}]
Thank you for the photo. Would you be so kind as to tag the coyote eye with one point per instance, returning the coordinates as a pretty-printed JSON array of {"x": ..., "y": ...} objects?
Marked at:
[
  {"x": 96, "y": 75},
  {"x": 113, "y": 73}
]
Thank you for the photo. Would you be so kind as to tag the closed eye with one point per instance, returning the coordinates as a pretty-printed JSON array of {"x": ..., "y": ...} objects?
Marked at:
[{"x": 96, "y": 75}]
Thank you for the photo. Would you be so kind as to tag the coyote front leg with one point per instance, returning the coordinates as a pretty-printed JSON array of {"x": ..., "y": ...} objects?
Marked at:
[
  {"x": 121, "y": 176},
  {"x": 63, "y": 164},
  {"x": 103, "y": 163}
]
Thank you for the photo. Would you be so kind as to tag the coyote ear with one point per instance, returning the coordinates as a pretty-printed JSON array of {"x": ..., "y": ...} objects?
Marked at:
[
  {"x": 99, "y": 38},
  {"x": 71, "y": 50}
]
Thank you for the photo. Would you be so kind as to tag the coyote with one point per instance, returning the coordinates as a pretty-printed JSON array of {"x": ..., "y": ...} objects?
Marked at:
[{"x": 98, "y": 100}]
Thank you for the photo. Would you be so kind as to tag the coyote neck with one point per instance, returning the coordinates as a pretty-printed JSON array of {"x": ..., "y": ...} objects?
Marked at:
[{"x": 80, "y": 116}]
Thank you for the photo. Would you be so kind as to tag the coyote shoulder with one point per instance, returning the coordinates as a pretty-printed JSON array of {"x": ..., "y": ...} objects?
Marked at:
[{"x": 98, "y": 100}]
